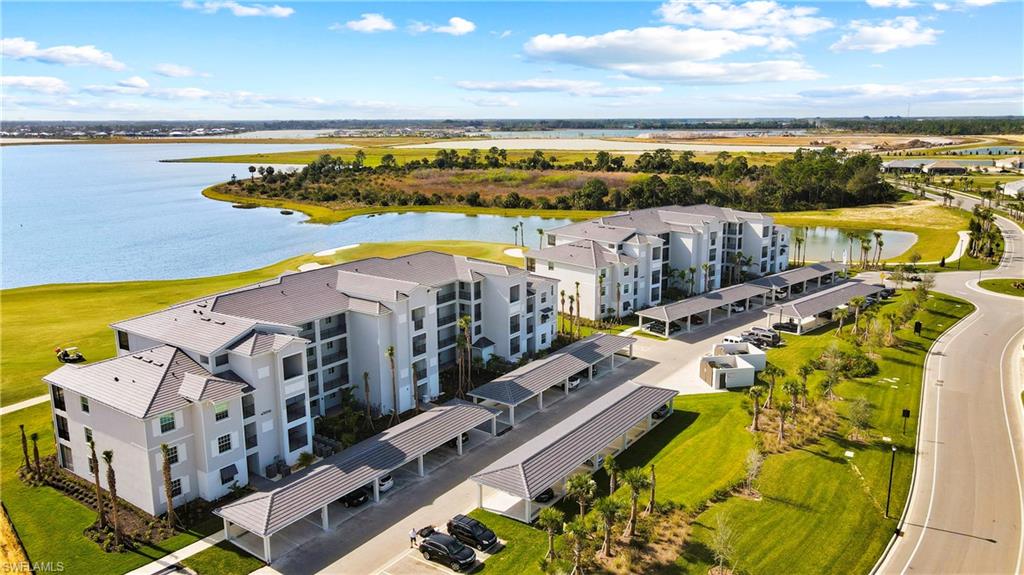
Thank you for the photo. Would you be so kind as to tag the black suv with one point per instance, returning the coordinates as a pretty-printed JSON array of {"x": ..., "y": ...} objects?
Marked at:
[
  {"x": 356, "y": 498},
  {"x": 446, "y": 549},
  {"x": 471, "y": 532}
]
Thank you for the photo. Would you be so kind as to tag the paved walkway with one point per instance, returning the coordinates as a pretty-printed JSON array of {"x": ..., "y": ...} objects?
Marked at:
[
  {"x": 23, "y": 404},
  {"x": 168, "y": 560}
]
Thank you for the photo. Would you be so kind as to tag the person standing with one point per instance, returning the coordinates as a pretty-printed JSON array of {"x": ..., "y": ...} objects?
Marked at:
[{"x": 412, "y": 538}]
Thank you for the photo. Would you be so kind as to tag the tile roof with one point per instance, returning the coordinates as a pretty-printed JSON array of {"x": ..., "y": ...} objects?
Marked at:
[
  {"x": 653, "y": 221},
  {"x": 703, "y": 302},
  {"x": 146, "y": 383},
  {"x": 551, "y": 456},
  {"x": 584, "y": 253},
  {"x": 799, "y": 275},
  {"x": 192, "y": 326},
  {"x": 261, "y": 342},
  {"x": 826, "y": 300}
]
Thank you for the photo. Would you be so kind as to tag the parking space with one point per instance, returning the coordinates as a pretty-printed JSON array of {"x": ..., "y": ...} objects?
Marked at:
[{"x": 412, "y": 562}]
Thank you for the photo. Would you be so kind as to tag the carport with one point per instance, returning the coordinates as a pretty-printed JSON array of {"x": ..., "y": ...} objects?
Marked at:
[
  {"x": 251, "y": 522},
  {"x": 533, "y": 379},
  {"x": 800, "y": 276},
  {"x": 605, "y": 427},
  {"x": 704, "y": 303},
  {"x": 811, "y": 311}
]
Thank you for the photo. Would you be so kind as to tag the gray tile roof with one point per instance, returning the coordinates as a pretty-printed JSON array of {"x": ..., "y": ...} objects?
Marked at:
[
  {"x": 527, "y": 381},
  {"x": 584, "y": 253},
  {"x": 654, "y": 221},
  {"x": 551, "y": 456},
  {"x": 703, "y": 302},
  {"x": 261, "y": 342},
  {"x": 146, "y": 383},
  {"x": 799, "y": 275},
  {"x": 826, "y": 300},
  {"x": 191, "y": 326},
  {"x": 269, "y": 512}
]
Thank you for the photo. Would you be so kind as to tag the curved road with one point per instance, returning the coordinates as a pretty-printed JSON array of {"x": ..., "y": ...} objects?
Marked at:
[{"x": 966, "y": 509}]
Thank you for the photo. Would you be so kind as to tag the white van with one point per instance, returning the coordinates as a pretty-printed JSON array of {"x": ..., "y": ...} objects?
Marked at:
[{"x": 733, "y": 339}]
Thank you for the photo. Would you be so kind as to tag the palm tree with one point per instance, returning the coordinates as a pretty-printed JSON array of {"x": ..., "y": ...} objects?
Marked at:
[
  {"x": 515, "y": 234},
  {"x": 108, "y": 458},
  {"x": 706, "y": 268},
  {"x": 878, "y": 245},
  {"x": 636, "y": 480},
  {"x": 35, "y": 451},
  {"x": 608, "y": 510},
  {"x": 572, "y": 308},
  {"x": 618, "y": 300},
  {"x": 582, "y": 488},
  {"x": 252, "y": 173},
  {"x": 579, "y": 305},
  {"x": 464, "y": 322},
  {"x": 600, "y": 294},
  {"x": 611, "y": 467},
  {"x": 561, "y": 310},
  {"x": 783, "y": 411},
  {"x": 691, "y": 278},
  {"x": 366, "y": 399},
  {"x": 94, "y": 465},
  {"x": 799, "y": 241},
  {"x": 840, "y": 315},
  {"x": 415, "y": 396},
  {"x": 550, "y": 520},
  {"x": 855, "y": 303},
  {"x": 540, "y": 240},
  {"x": 522, "y": 234},
  {"x": 755, "y": 392},
  {"x": 390, "y": 353},
  {"x": 168, "y": 492},
  {"x": 792, "y": 388},
  {"x": 24, "y": 447},
  {"x": 771, "y": 371},
  {"x": 828, "y": 384},
  {"x": 576, "y": 533},
  {"x": 650, "y": 502}
]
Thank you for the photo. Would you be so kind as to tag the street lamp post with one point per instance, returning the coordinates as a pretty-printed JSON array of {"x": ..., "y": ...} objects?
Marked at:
[
  {"x": 892, "y": 466},
  {"x": 960, "y": 253}
]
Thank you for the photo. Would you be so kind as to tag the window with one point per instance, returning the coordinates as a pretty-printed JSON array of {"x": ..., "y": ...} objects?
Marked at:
[
  {"x": 227, "y": 474},
  {"x": 655, "y": 294},
  {"x": 224, "y": 443},
  {"x": 88, "y": 434},
  {"x": 543, "y": 338},
  {"x": 221, "y": 360},
  {"x": 295, "y": 407},
  {"x": 122, "y": 341},
  {"x": 175, "y": 487},
  {"x": 513, "y": 346},
  {"x": 297, "y": 438},
  {"x": 551, "y": 239},
  {"x": 625, "y": 288},
  {"x": 167, "y": 423},
  {"x": 625, "y": 271},
  {"x": 478, "y": 329},
  {"x": 551, "y": 266},
  {"x": 292, "y": 366},
  {"x": 58, "y": 398},
  {"x": 84, "y": 402},
  {"x": 604, "y": 308},
  {"x": 604, "y": 290},
  {"x": 248, "y": 406},
  {"x": 656, "y": 253},
  {"x": 220, "y": 412},
  {"x": 204, "y": 359},
  {"x": 172, "y": 454},
  {"x": 513, "y": 324},
  {"x": 636, "y": 271},
  {"x": 419, "y": 344},
  {"x": 478, "y": 312},
  {"x": 477, "y": 290},
  {"x": 66, "y": 460},
  {"x": 62, "y": 428},
  {"x": 417, "y": 318},
  {"x": 513, "y": 294}
]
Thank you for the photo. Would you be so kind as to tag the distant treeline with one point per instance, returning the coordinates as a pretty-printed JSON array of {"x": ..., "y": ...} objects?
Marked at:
[
  {"x": 807, "y": 179},
  {"x": 931, "y": 126}
]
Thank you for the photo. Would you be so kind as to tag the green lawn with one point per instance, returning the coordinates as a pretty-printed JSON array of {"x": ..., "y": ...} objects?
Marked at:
[
  {"x": 223, "y": 558},
  {"x": 1003, "y": 286}
]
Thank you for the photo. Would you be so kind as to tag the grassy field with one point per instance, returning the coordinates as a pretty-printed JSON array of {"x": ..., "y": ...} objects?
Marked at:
[
  {"x": 1003, "y": 286},
  {"x": 223, "y": 559},
  {"x": 820, "y": 512},
  {"x": 936, "y": 227},
  {"x": 373, "y": 155}
]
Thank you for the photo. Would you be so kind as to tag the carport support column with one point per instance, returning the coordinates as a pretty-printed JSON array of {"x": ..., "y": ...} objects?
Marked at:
[
  {"x": 512, "y": 416},
  {"x": 325, "y": 521},
  {"x": 650, "y": 422},
  {"x": 480, "y": 495},
  {"x": 630, "y": 351},
  {"x": 227, "y": 530},
  {"x": 527, "y": 511},
  {"x": 266, "y": 549},
  {"x": 540, "y": 401},
  {"x": 709, "y": 317},
  {"x": 689, "y": 319},
  {"x": 376, "y": 491},
  {"x": 494, "y": 426},
  {"x": 419, "y": 465},
  {"x": 458, "y": 444}
]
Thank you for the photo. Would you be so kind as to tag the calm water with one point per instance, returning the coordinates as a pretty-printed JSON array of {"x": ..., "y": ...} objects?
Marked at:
[
  {"x": 822, "y": 244},
  {"x": 80, "y": 213}
]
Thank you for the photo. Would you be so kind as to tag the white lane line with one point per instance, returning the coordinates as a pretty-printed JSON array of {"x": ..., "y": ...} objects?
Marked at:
[
  {"x": 935, "y": 440},
  {"x": 1013, "y": 450}
]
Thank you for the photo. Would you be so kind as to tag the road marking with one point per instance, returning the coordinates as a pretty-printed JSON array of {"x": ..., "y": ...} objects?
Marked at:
[{"x": 1013, "y": 449}]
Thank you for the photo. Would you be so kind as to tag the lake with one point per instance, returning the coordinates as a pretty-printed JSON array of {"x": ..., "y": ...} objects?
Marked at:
[
  {"x": 99, "y": 212},
  {"x": 822, "y": 244}
]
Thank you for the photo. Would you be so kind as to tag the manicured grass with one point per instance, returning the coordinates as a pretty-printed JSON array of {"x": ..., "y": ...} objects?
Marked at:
[
  {"x": 1003, "y": 286},
  {"x": 324, "y": 215},
  {"x": 525, "y": 545},
  {"x": 223, "y": 558},
  {"x": 936, "y": 227},
  {"x": 37, "y": 319},
  {"x": 374, "y": 153},
  {"x": 825, "y": 512}
]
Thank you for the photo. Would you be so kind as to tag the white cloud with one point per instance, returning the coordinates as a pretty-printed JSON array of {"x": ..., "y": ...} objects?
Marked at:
[
  {"x": 214, "y": 6},
  {"x": 891, "y": 3},
  {"x": 862, "y": 97},
  {"x": 492, "y": 101},
  {"x": 941, "y": 6},
  {"x": 574, "y": 87},
  {"x": 368, "y": 23},
  {"x": 137, "y": 82},
  {"x": 724, "y": 72},
  {"x": 456, "y": 27},
  {"x": 38, "y": 84},
  {"x": 902, "y": 32},
  {"x": 759, "y": 16},
  {"x": 179, "y": 94},
  {"x": 177, "y": 71},
  {"x": 22, "y": 49}
]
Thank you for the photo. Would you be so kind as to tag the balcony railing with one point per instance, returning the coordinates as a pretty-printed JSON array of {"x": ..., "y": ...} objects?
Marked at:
[
  {"x": 445, "y": 342},
  {"x": 333, "y": 358},
  {"x": 334, "y": 331},
  {"x": 421, "y": 374},
  {"x": 445, "y": 320},
  {"x": 335, "y": 383},
  {"x": 445, "y": 297},
  {"x": 419, "y": 349}
]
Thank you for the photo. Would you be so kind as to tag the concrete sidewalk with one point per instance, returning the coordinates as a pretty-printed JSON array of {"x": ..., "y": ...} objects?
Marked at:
[
  {"x": 23, "y": 404},
  {"x": 172, "y": 559}
]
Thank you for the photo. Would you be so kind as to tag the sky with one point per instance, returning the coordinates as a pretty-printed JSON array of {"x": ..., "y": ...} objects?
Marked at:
[{"x": 238, "y": 60}]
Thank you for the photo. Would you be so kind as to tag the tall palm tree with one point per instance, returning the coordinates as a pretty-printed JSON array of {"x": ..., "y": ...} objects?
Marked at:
[
  {"x": 783, "y": 411},
  {"x": 540, "y": 240},
  {"x": 755, "y": 392},
  {"x": 878, "y": 245},
  {"x": 600, "y": 294},
  {"x": 550, "y": 520},
  {"x": 840, "y": 315},
  {"x": 24, "y": 447},
  {"x": 651, "y": 502},
  {"x": 464, "y": 322},
  {"x": 415, "y": 382},
  {"x": 108, "y": 458},
  {"x": 166, "y": 452},
  {"x": 515, "y": 234},
  {"x": 579, "y": 305},
  {"x": 792, "y": 388},
  {"x": 366, "y": 399},
  {"x": 572, "y": 314},
  {"x": 608, "y": 511},
  {"x": 561, "y": 313},
  {"x": 799, "y": 241},
  {"x": 522, "y": 234},
  {"x": 35, "y": 452},
  {"x": 691, "y": 278},
  {"x": 706, "y": 268},
  {"x": 855, "y": 303},
  {"x": 390, "y": 353},
  {"x": 582, "y": 488},
  {"x": 636, "y": 480},
  {"x": 611, "y": 468},
  {"x": 94, "y": 464},
  {"x": 771, "y": 371},
  {"x": 576, "y": 533}
]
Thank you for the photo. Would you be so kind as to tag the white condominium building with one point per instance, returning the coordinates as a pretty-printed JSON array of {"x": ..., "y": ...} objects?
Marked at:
[
  {"x": 623, "y": 262},
  {"x": 231, "y": 382}
]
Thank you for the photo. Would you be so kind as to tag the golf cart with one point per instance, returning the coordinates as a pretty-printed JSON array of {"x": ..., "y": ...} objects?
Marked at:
[{"x": 69, "y": 355}]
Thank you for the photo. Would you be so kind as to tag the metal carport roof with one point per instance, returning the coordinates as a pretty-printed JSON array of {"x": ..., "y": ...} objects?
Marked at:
[
  {"x": 539, "y": 463},
  {"x": 704, "y": 302},
  {"x": 799, "y": 275},
  {"x": 266, "y": 513},
  {"x": 826, "y": 300},
  {"x": 525, "y": 382}
]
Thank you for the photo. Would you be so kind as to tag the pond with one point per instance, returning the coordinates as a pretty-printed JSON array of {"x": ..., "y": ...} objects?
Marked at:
[
  {"x": 824, "y": 243},
  {"x": 77, "y": 213}
]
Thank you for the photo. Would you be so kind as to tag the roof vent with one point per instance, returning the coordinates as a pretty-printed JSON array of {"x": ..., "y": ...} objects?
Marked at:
[
  {"x": 219, "y": 322},
  {"x": 115, "y": 378},
  {"x": 158, "y": 363}
]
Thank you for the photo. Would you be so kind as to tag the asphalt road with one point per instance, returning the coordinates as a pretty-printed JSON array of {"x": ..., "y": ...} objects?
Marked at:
[{"x": 967, "y": 508}]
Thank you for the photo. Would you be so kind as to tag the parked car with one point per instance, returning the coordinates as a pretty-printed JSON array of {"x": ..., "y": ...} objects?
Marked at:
[
  {"x": 733, "y": 339},
  {"x": 789, "y": 326},
  {"x": 762, "y": 336},
  {"x": 659, "y": 327},
  {"x": 574, "y": 382},
  {"x": 661, "y": 412},
  {"x": 796, "y": 289},
  {"x": 545, "y": 496},
  {"x": 735, "y": 307},
  {"x": 454, "y": 443},
  {"x": 887, "y": 293},
  {"x": 696, "y": 320},
  {"x": 448, "y": 550},
  {"x": 386, "y": 483},
  {"x": 471, "y": 532},
  {"x": 781, "y": 293},
  {"x": 595, "y": 464},
  {"x": 826, "y": 279},
  {"x": 914, "y": 278},
  {"x": 356, "y": 498}
]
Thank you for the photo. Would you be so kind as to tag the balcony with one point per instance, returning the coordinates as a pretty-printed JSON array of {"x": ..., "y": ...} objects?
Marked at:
[
  {"x": 332, "y": 332},
  {"x": 445, "y": 297},
  {"x": 421, "y": 374},
  {"x": 445, "y": 342},
  {"x": 332, "y": 384},
  {"x": 333, "y": 358},
  {"x": 250, "y": 441},
  {"x": 419, "y": 349},
  {"x": 446, "y": 319}
]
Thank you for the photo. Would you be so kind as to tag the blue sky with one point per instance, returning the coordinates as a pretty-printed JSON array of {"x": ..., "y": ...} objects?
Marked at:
[{"x": 227, "y": 59}]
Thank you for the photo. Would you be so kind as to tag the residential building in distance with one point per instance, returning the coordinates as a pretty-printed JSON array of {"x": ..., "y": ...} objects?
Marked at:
[
  {"x": 624, "y": 262},
  {"x": 232, "y": 382}
]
